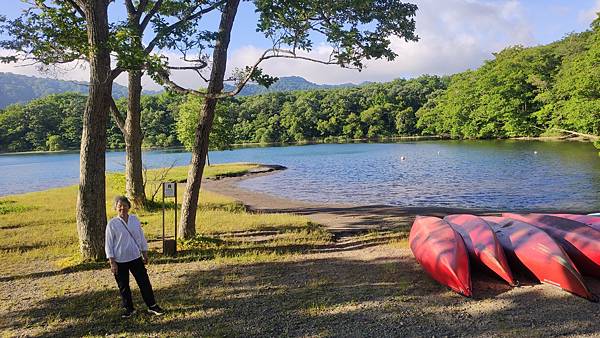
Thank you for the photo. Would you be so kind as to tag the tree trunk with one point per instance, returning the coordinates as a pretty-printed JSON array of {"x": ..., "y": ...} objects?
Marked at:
[
  {"x": 187, "y": 225},
  {"x": 133, "y": 142},
  {"x": 91, "y": 201}
]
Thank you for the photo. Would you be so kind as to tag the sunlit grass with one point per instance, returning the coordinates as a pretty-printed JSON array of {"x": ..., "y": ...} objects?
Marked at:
[{"x": 41, "y": 226}]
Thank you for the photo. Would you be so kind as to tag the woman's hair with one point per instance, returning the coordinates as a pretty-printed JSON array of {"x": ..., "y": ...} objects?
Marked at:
[{"x": 122, "y": 200}]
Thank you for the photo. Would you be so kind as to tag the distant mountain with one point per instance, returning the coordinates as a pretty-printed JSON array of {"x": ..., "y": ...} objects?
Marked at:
[
  {"x": 285, "y": 84},
  {"x": 16, "y": 88}
]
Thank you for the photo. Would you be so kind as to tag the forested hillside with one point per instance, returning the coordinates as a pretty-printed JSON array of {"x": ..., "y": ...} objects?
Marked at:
[
  {"x": 286, "y": 84},
  {"x": 523, "y": 92},
  {"x": 520, "y": 92},
  {"x": 16, "y": 88}
]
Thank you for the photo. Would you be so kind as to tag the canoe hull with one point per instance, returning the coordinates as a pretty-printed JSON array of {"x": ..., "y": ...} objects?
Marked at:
[
  {"x": 482, "y": 244},
  {"x": 537, "y": 252},
  {"x": 581, "y": 242},
  {"x": 591, "y": 221},
  {"x": 442, "y": 253}
]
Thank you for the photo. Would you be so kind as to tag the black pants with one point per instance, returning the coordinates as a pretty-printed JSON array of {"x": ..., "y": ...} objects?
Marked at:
[{"x": 138, "y": 270}]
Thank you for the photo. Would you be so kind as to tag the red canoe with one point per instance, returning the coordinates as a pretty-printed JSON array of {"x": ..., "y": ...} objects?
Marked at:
[
  {"x": 537, "y": 252},
  {"x": 482, "y": 244},
  {"x": 581, "y": 242},
  {"x": 593, "y": 221},
  {"x": 442, "y": 253}
]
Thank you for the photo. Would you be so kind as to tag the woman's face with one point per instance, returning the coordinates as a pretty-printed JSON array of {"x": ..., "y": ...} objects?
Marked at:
[{"x": 122, "y": 208}]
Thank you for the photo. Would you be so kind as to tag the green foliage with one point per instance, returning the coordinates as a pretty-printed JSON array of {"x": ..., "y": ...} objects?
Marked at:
[
  {"x": 54, "y": 143},
  {"x": 357, "y": 30},
  {"x": 222, "y": 132},
  {"x": 49, "y": 123},
  {"x": 189, "y": 112},
  {"x": 53, "y": 35},
  {"x": 575, "y": 100},
  {"x": 158, "y": 120},
  {"x": 9, "y": 206}
]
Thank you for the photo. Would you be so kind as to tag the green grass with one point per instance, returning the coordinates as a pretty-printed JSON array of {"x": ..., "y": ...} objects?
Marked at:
[{"x": 40, "y": 227}]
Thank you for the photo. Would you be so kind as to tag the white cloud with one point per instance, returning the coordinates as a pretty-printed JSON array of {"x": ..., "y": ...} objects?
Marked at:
[
  {"x": 73, "y": 71},
  {"x": 455, "y": 35},
  {"x": 587, "y": 16}
]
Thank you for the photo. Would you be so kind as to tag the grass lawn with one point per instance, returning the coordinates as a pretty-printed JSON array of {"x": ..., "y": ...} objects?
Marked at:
[{"x": 39, "y": 229}]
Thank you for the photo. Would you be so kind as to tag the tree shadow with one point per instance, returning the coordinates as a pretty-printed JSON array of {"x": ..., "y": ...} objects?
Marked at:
[
  {"x": 84, "y": 266},
  {"x": 22, "y": 248},
  {"x": 320, "y": 297},
  {"x": 233, "y": 248}
]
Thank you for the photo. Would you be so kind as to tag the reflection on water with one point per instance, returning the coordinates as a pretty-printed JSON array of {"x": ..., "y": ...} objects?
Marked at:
[{"x": 473, "y": 174}]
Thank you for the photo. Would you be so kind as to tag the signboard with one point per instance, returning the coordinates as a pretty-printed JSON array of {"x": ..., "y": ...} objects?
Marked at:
[
  {"x": 169, "y": 245},
  {"x": 169, "y": 189}
]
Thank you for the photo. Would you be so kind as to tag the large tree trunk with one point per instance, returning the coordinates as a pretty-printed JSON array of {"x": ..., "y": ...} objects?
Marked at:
[
  {"x": 187, "y": 225},
  {"x": 133, "y": 142},
  {"x": 91, "y": 201}
]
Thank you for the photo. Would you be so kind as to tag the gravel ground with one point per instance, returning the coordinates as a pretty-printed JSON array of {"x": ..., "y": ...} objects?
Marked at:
[{"x": 367, "y": 291}]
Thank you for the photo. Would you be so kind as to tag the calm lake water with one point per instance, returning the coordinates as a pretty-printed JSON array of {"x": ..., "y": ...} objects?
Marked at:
[{"x": 471, "y": 174}]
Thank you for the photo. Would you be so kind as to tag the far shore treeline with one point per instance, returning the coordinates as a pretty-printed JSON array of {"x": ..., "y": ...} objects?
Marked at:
[{"x": 521, "y": 92}]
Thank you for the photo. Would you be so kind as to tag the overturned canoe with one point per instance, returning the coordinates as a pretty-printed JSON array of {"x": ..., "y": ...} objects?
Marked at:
[
  {"x": 482, "y": 244},
  {"x": 442, "y": 253},
  {"x": 592, "y": 221},
  {"x": 579, "y": 241},
  {"x": 539, "y": 254}
]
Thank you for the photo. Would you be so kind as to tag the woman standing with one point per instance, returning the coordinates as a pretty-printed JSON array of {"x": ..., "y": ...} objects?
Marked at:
[{"x": 127, "y": 250}]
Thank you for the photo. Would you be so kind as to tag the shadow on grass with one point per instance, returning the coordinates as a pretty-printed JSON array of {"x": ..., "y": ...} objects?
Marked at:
[
  {"x": 85, "y": 266},
  {"x": 235, "y": 248},
  {"x": 224, "y": 247},
  {"x": 21, "y": 248},
  {"x": 10, "y": 227},
  {"x": 320, "y": 297},
  {"x": 169, "y": 205}
]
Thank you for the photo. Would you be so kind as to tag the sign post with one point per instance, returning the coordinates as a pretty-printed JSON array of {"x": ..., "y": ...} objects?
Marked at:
[{"x": 169, "y": 245}]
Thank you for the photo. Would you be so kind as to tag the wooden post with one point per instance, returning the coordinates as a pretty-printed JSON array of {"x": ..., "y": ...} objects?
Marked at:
[
  {"x": 163, "y": 217},
  {"x": 169, "y": 245},
  {"x": 176, "y": 216}
]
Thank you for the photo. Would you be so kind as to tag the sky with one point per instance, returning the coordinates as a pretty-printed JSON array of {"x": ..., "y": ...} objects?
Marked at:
[{"x": 455, "y": 35}]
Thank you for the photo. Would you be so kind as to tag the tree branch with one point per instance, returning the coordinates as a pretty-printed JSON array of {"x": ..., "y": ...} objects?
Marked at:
[
  {"x": 592, "y": 137},
  {"x": 277, "y": 53},
  {"x": 130, "y": 7},
  {"x": 164, "y": 77},
  {"x": 77, "y": 8},
  {"x": 168, "y": 30},
  {"x": 117, "y": 115},
  {"x": 150, "y": 14},
  {"x": 114, "y": 73}
]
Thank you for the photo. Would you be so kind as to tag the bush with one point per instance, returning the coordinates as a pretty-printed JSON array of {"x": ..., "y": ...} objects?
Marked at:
[{"x": 54, "y": 143}]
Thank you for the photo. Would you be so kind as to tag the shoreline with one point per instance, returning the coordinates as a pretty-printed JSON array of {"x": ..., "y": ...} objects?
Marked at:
[
  {"x": 341, "y": 219},
  {"x": 389, "y": 139}
]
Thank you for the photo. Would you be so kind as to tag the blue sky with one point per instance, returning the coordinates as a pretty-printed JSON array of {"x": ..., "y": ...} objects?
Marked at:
[{"x": 455, "y": 35}]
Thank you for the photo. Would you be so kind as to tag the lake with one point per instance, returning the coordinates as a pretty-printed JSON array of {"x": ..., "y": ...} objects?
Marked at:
[{"x": 503, "y": 174}]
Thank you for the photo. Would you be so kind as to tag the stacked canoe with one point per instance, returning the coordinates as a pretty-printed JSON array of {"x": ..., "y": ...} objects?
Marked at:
[{"x": 556, "y": 249}]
